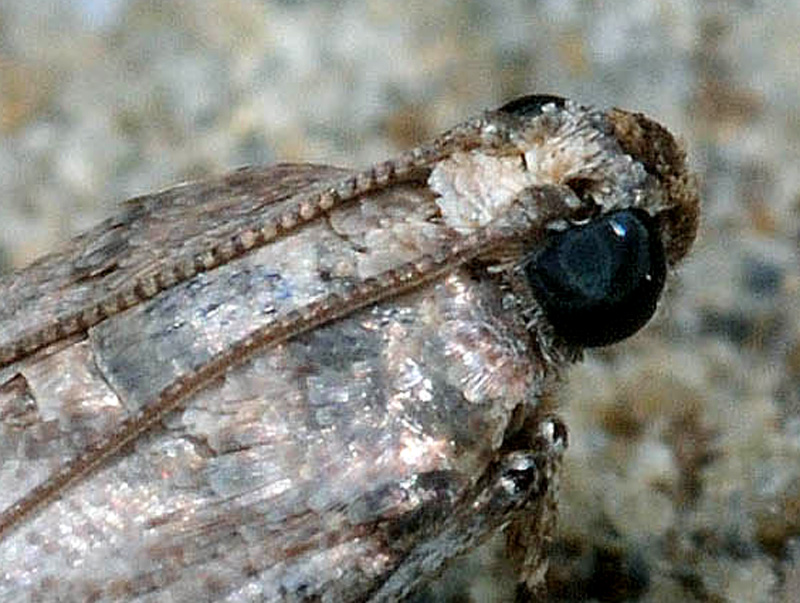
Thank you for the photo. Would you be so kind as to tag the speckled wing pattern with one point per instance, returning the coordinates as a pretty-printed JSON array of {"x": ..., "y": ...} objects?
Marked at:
[
  {"x": 305, "y": 383},
  {"x": 150, "y": 234}
]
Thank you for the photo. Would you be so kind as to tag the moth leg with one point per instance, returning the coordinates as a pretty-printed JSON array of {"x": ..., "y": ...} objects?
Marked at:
[
  {"x": 518, "y": 490},
  {"x": 532, "y": 529}
]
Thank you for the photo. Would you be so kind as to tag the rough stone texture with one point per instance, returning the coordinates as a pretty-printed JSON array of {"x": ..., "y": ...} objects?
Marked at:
[{"x": 683, "y": 476}]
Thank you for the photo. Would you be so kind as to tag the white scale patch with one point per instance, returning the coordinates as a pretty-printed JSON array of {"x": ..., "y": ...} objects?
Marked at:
[{"x": 474, "y": 188}]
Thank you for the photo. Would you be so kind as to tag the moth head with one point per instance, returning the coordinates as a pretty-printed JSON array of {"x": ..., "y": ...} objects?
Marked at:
[
  {"x": 608, "y": 195},
  {"x": 599, "y": 280}
]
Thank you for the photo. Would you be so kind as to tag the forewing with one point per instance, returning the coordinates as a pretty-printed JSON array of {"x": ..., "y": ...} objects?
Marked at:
[
  {"x": 286, "y": 474},
  {"x": 150, "y": 233}
]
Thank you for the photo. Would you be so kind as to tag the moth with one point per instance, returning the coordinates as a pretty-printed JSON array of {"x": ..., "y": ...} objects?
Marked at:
[{"x": 301, "y": 382}]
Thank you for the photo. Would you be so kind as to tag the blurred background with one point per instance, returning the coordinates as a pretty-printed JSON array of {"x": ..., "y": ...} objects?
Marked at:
[{"x": 682, "y": 480}]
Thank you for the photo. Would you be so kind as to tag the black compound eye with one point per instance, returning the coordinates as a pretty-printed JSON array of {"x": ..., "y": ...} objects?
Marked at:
[
  {"x": 599, "y": 283},
  {"x": 531, "y": 106}
]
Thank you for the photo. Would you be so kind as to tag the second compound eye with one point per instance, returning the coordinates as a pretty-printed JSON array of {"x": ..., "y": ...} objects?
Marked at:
[
  {"x": 531, "y": 105},
  {"x": 600, "y": 282}
]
